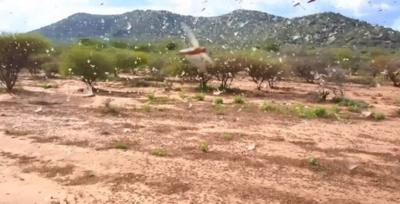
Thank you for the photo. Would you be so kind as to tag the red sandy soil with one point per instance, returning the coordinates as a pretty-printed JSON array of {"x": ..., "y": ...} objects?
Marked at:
[{"x": 58, "y": 146}]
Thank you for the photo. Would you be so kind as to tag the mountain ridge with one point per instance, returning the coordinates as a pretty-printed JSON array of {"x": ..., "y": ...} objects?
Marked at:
[{"x": 244, "y": 26}]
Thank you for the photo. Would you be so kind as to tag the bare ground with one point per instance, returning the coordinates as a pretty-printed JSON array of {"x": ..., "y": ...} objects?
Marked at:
[{"x": 58, "y": 146}]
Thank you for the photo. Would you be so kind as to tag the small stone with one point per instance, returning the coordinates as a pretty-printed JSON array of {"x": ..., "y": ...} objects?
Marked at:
[
  {"x": 40, "y": 109},
  {"x": 252, "y": 147},
  {"x": 366, "y": 114},
  {"x": 127, "y": 130},
  {"x": 353, "y": 167}
]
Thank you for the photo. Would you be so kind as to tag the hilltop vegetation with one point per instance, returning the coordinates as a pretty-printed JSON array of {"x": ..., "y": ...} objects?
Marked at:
[{"x": 240, "y": 28}]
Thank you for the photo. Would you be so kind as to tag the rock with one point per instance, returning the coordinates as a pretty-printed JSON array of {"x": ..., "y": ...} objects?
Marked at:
[
  {"x": 252, "y": 147},
  {"x": 40, "y": 109},
  {"x": 353, "y": 167},
  {"x": 366, "y": 114},
  {"x": 127, "y": 130}
]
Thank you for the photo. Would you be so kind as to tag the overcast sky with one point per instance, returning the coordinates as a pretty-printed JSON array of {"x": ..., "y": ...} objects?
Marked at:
[{"x": 26, "y": 15}]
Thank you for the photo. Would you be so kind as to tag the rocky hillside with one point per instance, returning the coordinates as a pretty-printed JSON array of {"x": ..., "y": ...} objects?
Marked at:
[{"x": 243, "y": 26}]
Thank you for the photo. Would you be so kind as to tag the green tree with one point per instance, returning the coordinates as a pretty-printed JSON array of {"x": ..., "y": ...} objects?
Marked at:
[
  {"x": 15, "y": 51},
  {"x": 129, "y": 60},
  {"x": 87, "y": 63}
]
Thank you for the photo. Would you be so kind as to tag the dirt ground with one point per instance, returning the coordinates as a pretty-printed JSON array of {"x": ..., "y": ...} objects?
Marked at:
[{"x": 59, "y": 146}]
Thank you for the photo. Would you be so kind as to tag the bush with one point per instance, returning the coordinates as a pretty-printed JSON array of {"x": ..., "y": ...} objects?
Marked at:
[
  {"x": 353, "y": 105},
  {"x": 156, "y": 66},
  {"x": 204, "y": 147},
  {"x": 330, "y": 83},
  {"x": 36, "y": 61},
  {"x": 159, "y": 153},
  {"x": 389, "y": 65},
  {"x": 347, "y": 58},
  {"x": 171, "y": 46},
  {"x": 226, "y": 68},
  {"x": 393, "y": 72},
  {"x": 127, "y": 60},
  {"x": 262, "y": 71},
  {"x": 15, "y": 51},
  {"x": 50, "y": 69},
  {"x": 300, "y": 111},
  {"x": 200, "y": 96},
  {"x": 238, "y": 100},
  {"x": 218, "y": 101},
  {"x": 181, "y": 67},
  {"x": 378, "y": 116},
  {"x": 89, "y": 64},
  {"x": 306, "y": 67}
]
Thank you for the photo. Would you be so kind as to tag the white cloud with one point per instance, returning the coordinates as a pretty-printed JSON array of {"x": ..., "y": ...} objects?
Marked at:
[
  {"x": 396, "y": 24},
  {"x": 22, "y": 15}
]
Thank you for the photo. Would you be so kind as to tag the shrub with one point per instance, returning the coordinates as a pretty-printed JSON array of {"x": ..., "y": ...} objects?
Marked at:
[
  {"x": 121, "y": 146},
  {"x": 393, "y": 72},
  {"x": 228, "y": 137},
  {"x": 271, "y": 107},
  {"x": 181, "y": 67},
  {"x": 15, "y": 51},
  {"x": 306, "y": 67},
  {"x": 89, "y": 64},
  {"x": 390, "y": 66},
  {"x": 353, "y": 105},
  {"x": 378, "y": 116},
  {"x": 310, "y": 112},
  {"x": 36, "y": 62},
  {"x": 218, "y": 101},
  {"x": 171, "y": 46},
  {"x": 159, "y": 153},
  {"x": 155, "y": 65},
  {"x": 127, "y": 60},
  {"x": 300, "y": 111},
  {"x": 92, "y": 43},
  {"x": 238, "y": 100},
  {"x": 226, "y": 68},
  {"x": 200, "y": 96},
  {"x": 313, "y": 162},
  {"x": 262, "y": 71},
  {"x": 347, "y": 58},
  {"x": 204, "y": 147},
  {"x": 50, "y": 69},
  {"x": 331, "y": 82},
  {"x": 151, "y": 97}
]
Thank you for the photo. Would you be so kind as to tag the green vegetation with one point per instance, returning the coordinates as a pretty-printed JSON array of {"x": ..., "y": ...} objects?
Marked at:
[
  {"x": 228, "y": 136},
  {"x": 87, "y": 63},
  {"x": 146, "y": 108},
  {"x": 314, "y": 162},
  {"x": 300, "y": 111},
  {"x": 204, "y": 147},
  {"x": 151, "y": 97},
  {"x": 129, "y": 61},
  {"x": 200, "y": 96},
  {"x": 159, "y": 153},
  {"x": 121, "y": 146},
  {"x": 378, "y": 116},
  {"x": 239, "y": 100},
  {"x": 218, "y": 101},
  {"x": 356, "y": 106},
  {"x": 15, "y": 54}
]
